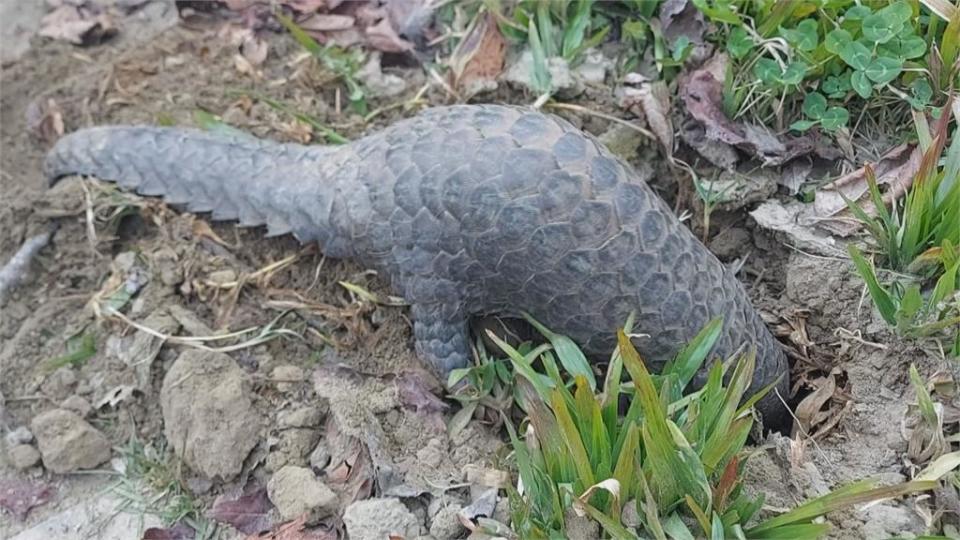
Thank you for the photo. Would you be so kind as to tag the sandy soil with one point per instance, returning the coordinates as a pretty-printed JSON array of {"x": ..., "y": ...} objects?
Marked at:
[{"x": 157, "y": 69}]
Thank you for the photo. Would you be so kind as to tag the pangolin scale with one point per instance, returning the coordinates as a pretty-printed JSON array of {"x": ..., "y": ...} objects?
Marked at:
[{"x": 468, "y": 210}]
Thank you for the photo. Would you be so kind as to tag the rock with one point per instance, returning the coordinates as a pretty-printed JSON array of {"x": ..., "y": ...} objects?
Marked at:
[
  {"x": 59, "y": 384},
  {"x": 376, "y": 519},
  {"x": 304, "y": 417},
  {"x": 21, "y": 435},
  {"x": 446, "y": 525},
  {"x": 376, "y": 82},
  {"x": 296, "y": 490},
  {"x": 68, "y": 443},
  {"x": 23, "y": 456},
  {"x": 286, "y": 377},
  {"x": 78, "y": 405},
  {"x": 622, "y": 141},
  {"x": 593, "y": 68},
  {"x": 888, "y": 520},
  {"x": 580, "y": 528},
  {"x": 730, "y": 243},
  {"x": 208, "y": 415},
  {"x": 520, "y": 73}
]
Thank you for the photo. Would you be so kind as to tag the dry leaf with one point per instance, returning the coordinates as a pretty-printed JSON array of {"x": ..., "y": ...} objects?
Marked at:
[
  {"x": 383, "y": 37},
  {"x": 45, "y": 120},
  {"x": 248, "y": 513},
  {"x": 479, "y": 56},
  {"x": 655, "y": 102},
  {"x": 297, "y": 530},
  {"x": 18, "y": 496},
  {"x": 78, "y": 25},
  {"x": 325, "y": 22}
]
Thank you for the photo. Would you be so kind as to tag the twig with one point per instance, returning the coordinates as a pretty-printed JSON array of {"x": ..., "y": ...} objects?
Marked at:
[
  {"x": 598, "y": 114},
  {"x": 12, "y": 273}
]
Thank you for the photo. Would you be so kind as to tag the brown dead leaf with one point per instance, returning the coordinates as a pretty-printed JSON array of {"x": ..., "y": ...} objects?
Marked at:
[
  {"x": 254, "y": 49},
  {"x": 350, "y": 472},
  {"x": 479, "y": 56},
  {"x": 384, "y": 37},
  {"x": 18, "y": 496},
  {"x": 45, "y": 120},
  {"x": 297, "y": 530},
  {"x": 248, "y": 513},
  {"x": 821, "y": 411},
  {"x": 326, "y": 22},
  {"x": 655, "y": 102},
  {"x": 180, "y": 531},
  {"x": 80, "y": 25},
  {"x": 702, "y": 92},
  {"x": 895, "y": 170}
]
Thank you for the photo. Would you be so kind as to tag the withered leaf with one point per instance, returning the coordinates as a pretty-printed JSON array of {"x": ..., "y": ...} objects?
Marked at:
[{"x": 248, "y": 513}]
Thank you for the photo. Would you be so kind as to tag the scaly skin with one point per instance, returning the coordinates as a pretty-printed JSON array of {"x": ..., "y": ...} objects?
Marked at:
[{"x": 468, "y": 210}]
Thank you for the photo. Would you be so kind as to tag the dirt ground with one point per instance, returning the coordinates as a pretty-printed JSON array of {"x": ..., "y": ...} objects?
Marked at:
[{"x": 159, "y": 69}]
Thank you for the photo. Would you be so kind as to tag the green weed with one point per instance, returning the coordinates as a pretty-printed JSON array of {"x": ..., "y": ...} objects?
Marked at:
[
  {"x": 919, "y": 238},
  {"x": 343, "y": 62},
  {"x": 677, "y": 460}
]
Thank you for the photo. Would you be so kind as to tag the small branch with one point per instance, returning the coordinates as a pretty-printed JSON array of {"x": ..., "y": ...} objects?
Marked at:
[{"x": 13, "y": 272}]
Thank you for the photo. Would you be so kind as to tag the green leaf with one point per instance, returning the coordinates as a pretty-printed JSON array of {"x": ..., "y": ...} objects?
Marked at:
[
  {"x": 690, "y": 359},
  {"x": 541, "y": 74},
  {"x": 571, "y": 357},
  {"x": 635, "y": 30},
  {"x": 834, "y": 118},
  {"x": 857, "y": 13},
  {"x": 572, "y": 439},
  {"x": 884, "y": 69},
  {"x": 576, "y": 29},
  {"x": 804, "y": 36},
  {"x": 855, "y": 54},
  {"x": 837, "y": 39},
  {"x": 861, "y": 83},
  {"x": 681, "y": 49},
  {"x": 905, "y": 48},
  {"x": 837, "y": 86},
  {"x": 739, "y": 43},
  {"x": 794, "y": 73},
  {"x": 880, "y": 28},
  {"x": 922, "y": 91},
  {"x": 767, "y": 70},
  {"x": 880, "y": 296},
  {"x": 803, "y": 125},
  {"x": 814, "y": 105},
  {"x": 898, "y": 11}
]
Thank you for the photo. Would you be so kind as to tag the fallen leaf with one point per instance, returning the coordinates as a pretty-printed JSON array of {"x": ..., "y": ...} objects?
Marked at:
[
  {"x": 18, "y": 496},
  {"x": 415, "y": 392},
  {"x": 810, "y": 407},
  {"x": 77, "y": 25},
  {"x": 180, "y": 531},
  {"x": 297, "y": 530},
  {"x": 382, "y": 36},
  {"x": 655, "y": 102},
  {"x": 350, "y": 472},
  {"x": 248, "y": 513},
  {"x": 325, "y": 22},
  {"x": 479, "y": 56},
  {"x": 45, "y": 120},
  {"x": 702, "y": 93},
  {"x": 895, "y": 170},
  {"x": 254, "y": 50}
]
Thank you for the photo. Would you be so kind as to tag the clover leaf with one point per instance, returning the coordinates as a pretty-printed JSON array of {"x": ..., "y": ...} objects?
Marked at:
[
  {"x": 857, "y": 13},
  {"x": 898, "y": 11},
  {"x": 802, "y": 125},
  {"x": 881, "y": 28},
  {"x": 767, "y": 70},
  {"x": 922, "y": 93},
  {"x": 814, "y": 105},
  {"x": 905, "y": 48},
  {"x": 837, "y": 39},
  {"x": 794, "y": 73},
  {"x": 884, "y": 69},
  {"x": 804, "y": 36},
  {"x": 855, "y": 54},
  {"x": 861, "y": 84},
  {"x": 739, "y": 43},
  {"x": 837, "y": 86},
  {"x": 834, "y": 118}
]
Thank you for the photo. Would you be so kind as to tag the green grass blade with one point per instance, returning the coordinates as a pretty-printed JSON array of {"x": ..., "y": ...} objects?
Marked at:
[
  {"x": 574, "y": 442},
  {"x": 881, "y": 298},
  {"x": 300, "y": 36},
  {"x": 806, "y": 531},
  {"x": 576, "y": 29},
  {"x": 625, "y": 470},
  {"x": 690, "y": 359},
  {"x": 570, "y": 356},
  {"x": 522, "y": 365}
]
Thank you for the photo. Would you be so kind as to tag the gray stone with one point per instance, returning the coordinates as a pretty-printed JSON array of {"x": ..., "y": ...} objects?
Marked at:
[
  {"x": 304, "y": 417},
  {"x": 520, "y": 73},
  {"x": 208, "y": 414},
  {"x": 296, "y": 491},
  {"x": 23, "y": 456},
  {"x": 376, "y": 519},
  {"x": 78, "y": 405},
  {"x": 68, "y": 443},
  {"x": 59, "y": 384},
  {"x": 20, "y": 435},
  {"x": 446, "y": 525},
  {"x": 286, "y": 377}
]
